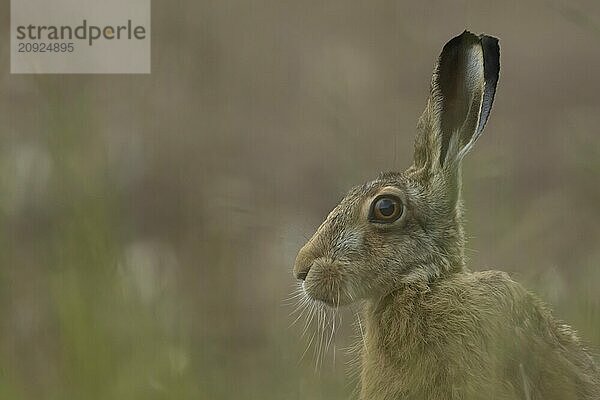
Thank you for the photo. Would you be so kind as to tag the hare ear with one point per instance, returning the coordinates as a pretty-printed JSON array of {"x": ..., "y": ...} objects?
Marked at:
[{"x": 462, "y": 91}]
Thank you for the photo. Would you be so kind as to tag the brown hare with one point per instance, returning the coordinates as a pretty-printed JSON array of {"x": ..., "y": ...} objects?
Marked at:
[{"x": 435, "y": 330}]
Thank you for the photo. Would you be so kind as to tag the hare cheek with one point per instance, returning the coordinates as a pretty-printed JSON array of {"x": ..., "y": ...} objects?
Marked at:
[{"x": 348, "y": 244}]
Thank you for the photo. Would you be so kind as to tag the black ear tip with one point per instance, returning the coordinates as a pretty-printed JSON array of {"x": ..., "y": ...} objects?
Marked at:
[
  {"x": 490, "y": 44},
  {"x": 491, "y": 58},
  {"x": 467, "y": 36},
  {"x": 491, "y": 72},
  {"x": 488, "y": 38},
  {"x": 456, "y": 46},
  {"x": 490, "y": 47},
  {"x": 464, "y": 38}
]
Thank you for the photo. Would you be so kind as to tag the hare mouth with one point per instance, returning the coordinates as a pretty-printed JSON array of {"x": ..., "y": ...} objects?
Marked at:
[{"x": 326, "y": 282}]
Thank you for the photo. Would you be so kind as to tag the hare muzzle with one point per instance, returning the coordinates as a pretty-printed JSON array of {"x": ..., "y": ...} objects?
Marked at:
[
  {"x": 326, "y": 277},
  {"x": 322, "y": 277}
]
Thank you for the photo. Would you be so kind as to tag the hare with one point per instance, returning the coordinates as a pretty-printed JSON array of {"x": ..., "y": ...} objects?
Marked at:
[{"x": 435, "y": 330}]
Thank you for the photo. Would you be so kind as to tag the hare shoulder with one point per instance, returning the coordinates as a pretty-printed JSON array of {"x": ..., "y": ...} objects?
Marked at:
[{"x": 473, "y": 336}]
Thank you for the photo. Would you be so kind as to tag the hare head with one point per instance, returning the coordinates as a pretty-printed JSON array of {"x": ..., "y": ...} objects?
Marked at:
[{"x": 403, "y": 228}]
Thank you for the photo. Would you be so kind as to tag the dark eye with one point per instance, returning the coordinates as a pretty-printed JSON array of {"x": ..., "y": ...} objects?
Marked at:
[{"x": 386, "y": 209}]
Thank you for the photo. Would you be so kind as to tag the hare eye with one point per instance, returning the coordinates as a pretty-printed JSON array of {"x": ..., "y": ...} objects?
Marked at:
[{"x": 386, "y": 209}]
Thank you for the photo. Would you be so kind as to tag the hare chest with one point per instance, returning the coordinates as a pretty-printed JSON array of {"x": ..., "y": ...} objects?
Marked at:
[
  {"x": 474, "y": 336},
  {"x": 434, "y": 372},
  {"x": 431, "y": 377}
]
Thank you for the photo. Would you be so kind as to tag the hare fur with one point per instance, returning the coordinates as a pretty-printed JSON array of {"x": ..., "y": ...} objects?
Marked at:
[{"x": 435, "y": 330}]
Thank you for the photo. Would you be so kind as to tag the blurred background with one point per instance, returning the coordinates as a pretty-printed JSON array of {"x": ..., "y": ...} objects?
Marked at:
[{"x": 149, "y": 224}]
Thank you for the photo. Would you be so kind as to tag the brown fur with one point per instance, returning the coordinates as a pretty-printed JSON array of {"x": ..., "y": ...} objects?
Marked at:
[
  {"x": 471, "y": 336},
  {"x": 434, "y": 330}
]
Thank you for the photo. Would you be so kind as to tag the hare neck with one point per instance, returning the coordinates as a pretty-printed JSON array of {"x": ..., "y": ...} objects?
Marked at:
[
  {"x": 393, "y": 355},
  {"x": 393, "y": 320}
]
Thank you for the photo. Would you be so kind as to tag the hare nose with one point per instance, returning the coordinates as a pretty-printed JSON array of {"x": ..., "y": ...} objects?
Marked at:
[
  {"x": 303, "y": 263},
  {"x": 301, "y": 269},
  {"x": 301, "y": 275}
]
